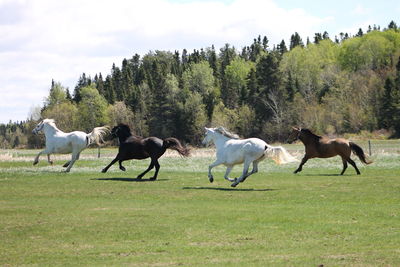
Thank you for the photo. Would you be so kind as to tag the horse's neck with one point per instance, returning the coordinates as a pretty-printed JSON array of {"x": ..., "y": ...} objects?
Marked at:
[
  {"x": 309, "y": 140},
  {"x": 220, "y": 141},
  {"x": 122, "y": 138},
  {"x": 51, "y": 130}
]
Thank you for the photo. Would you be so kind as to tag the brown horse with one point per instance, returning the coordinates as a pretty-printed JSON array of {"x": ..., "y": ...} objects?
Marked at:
[{"x": 322, "y": 147}]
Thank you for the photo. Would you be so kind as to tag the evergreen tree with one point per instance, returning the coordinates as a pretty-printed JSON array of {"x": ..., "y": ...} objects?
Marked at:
[{"x": 295, "y": 40}]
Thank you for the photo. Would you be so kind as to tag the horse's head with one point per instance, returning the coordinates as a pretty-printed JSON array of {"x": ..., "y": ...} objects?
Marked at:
[
  {"x": 38, "y": 127},
  {"x": 121, "y": 130},
  {"x": 208, "y": 136},
  {"x": 294, "y": 135}
]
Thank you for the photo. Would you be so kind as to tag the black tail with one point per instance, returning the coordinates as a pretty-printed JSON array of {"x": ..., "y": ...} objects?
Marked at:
[
  {"x": 359, "y": 152},
  {"x": 174, "y": 144}
]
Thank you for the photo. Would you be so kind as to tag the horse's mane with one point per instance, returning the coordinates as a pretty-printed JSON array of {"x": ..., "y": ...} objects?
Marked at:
[
  {"x": 307, "y": 131},
  {"x": 226, "y": 133},
  {"x": 49, "y": 121},
  {"x": 128, "y": 129}
]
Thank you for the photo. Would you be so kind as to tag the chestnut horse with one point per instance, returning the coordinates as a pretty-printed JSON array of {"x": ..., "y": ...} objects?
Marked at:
[
  {"x": 137, "y": 147},
  {"x": 321, "y": 147}
]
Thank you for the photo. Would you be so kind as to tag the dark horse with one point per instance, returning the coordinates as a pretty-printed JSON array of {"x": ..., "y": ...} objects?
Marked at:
[
  {"x": 322, "y": 147},
  {"x": 136, "y": 147}
]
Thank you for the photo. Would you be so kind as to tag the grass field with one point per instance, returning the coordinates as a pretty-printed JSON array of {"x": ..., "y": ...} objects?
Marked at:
[{"x": 275, "y": 218}]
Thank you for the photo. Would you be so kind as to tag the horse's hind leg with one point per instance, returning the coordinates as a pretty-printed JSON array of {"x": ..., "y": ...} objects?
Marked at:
[
  {"x": 244, "y": 173},
  {"x": 344, "y": 165},
  {"x": 49, "y": 160},
  {"x": 227, "y": 172},
  {"x": 75, "y": 157},
  {"x": 151, "y": 166},
  {"x": 157, "y": 165},
  {"x": 254, "y": 170},
  {"x": 67, "y": 164},
  {"x": 354, "y": 165}
]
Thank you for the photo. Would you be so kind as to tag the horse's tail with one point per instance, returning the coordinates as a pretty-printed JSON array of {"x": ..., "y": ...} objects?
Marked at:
[
  {"x": 96, "y": 135},
  {"x": 279, "y": 154},
  {"x": 359, "y": 152},
  {"x": 174, "y": 144}
]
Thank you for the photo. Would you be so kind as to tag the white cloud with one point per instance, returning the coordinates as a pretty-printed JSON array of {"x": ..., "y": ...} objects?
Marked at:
[{"x": 45, "y": 39}]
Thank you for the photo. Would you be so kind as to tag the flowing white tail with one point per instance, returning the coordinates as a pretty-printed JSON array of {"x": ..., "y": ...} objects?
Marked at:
[
  {"x": 279, "y": 154},
  {"x": 96, "y": 135}
]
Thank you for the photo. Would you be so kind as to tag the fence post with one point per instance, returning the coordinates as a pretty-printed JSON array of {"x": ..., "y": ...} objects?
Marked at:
[{"x": 369, "y": 147}]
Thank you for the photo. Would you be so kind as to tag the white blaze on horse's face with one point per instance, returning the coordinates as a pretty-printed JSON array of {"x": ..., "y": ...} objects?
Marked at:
[
  {"x": 207, "y": 139},
  {"x": 38, "y": 127}
]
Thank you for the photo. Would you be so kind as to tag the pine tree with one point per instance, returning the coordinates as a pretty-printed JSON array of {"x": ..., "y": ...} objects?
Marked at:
[{"x": 295, "y": 40}]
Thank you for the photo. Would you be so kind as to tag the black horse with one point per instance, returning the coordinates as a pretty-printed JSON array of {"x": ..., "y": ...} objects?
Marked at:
[{"x": 137, "y": 147}]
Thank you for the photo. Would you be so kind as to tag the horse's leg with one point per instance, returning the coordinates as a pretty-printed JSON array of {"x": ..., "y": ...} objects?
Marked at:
[
  {"x": 37, "y": 157},
  {"x": 151, "y": 166},
  {"x": 254, "y": 170},
  {"x": 67, "y": 164},
  {"x": 212, "y": 165},
  {"x": 157, "y": 165},
  {"x": 122, "y": 168},
  {"x": 354, "y": 165},
  {"x": 245, "y": 172},
  {"x": 109, "y": 165},
  {"x": 75, "y": 157},
  {"x": 226, "y": 176},
  {"x": 303, "y": 161},
  {"x": 344, "y": 165},
  {"x": 49, "y": 160}
]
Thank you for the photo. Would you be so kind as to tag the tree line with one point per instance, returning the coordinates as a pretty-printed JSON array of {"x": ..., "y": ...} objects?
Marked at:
[{"x": 345, "y": 85}]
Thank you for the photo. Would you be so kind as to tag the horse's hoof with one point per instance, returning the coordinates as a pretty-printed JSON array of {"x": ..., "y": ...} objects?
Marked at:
[
  {"x": 122, "y": 168},
  {"x": 211, "y": 179},
  {"x": 103, "y": 170},
  {"x": 234, "y": 184},
  {"x": 153, "y": 178},
  {"x": 35, "y": 162}
]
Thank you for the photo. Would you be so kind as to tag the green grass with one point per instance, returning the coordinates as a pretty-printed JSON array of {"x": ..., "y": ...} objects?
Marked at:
[{"x": 275, "y": 218}]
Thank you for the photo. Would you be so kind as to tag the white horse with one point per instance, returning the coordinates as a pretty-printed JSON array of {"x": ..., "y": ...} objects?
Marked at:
[
  {"x": 232, "y": 151},
  {"x": 58, "y": 142}
]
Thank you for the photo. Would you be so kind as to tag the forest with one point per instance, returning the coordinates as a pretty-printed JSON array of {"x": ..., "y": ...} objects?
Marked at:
[{"x": 346, "y": 84}]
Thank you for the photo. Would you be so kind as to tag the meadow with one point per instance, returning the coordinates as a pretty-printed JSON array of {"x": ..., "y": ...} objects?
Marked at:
[{"x": 274, "y": 218}]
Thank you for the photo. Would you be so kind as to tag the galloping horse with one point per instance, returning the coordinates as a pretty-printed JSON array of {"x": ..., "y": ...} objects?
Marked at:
[
  {"x": 58, "y": 142},
  {"x": 321, "y": 147},
  {"x": 136, "y": 147},
  {"x": 232, "y": 151}
]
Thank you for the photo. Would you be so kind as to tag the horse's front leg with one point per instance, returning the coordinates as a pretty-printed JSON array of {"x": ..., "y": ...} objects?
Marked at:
[
  {"x": 36, "y": 161},
  {"x": 122, "y": 168},
  {"x": 303, "y": 161},
  {"x": 109, "y": 165},
  {"x": 210, "y": 176}
]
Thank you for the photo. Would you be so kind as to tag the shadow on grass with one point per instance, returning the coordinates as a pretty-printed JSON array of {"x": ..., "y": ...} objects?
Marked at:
[
  {"x": 325, "y": 174},
  {"x": 227, "y": 189},
  {"x": 123, "y": 179}
]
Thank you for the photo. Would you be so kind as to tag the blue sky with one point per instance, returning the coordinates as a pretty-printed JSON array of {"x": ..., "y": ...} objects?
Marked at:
[{"x": 43, "y": 40}]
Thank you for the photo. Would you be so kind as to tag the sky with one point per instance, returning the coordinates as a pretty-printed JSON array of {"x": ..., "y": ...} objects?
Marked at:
[{"x": 45, "y": 40}]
